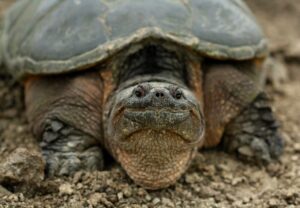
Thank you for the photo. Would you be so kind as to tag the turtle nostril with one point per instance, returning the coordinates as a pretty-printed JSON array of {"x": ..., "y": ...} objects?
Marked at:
[{"x": 159, "y": 94}]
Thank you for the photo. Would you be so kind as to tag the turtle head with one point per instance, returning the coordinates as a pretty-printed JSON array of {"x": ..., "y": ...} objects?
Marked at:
[{"x": 153, "y": 130}]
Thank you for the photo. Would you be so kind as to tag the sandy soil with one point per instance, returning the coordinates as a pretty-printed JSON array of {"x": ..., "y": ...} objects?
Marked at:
[{"x": 215, "y": 179}]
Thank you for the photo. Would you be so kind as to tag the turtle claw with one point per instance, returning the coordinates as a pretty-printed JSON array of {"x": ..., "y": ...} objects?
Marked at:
[
  {"x": 254, "y": 135},
  {"x": 67, "y": 163}
]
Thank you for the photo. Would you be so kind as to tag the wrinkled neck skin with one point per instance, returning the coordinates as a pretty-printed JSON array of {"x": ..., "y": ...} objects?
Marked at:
[{"x": 153, "y": 126}]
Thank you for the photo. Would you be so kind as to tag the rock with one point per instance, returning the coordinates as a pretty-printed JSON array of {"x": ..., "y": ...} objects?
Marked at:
[
  {"x": 107, "y": 203},
  {"x": 207, "y": 192},
  {"x": 141, "y": 192},
  {"x": 274, "y": 169},
  {"x": 4, "y": 191},
  {"x": 297, "y": 147},
  {"x": 120, "y": 195},
  {"x": 13, "y": 198},
  {"x": 292, "y": 196},
  {"x": 192, "y": 178},
  {"x": 95, "y": 199},
  {"x": 22, "y": 167},
  {"x": 273, "y": 203},
  {"x": 230, "y": 197},
  {"x": 223, "y": 167},
  {"x": 245, "y": 150},
  {"x": 148, "y": 197},
  {"x": 237, "y": 180},
  {"x": 167, "y": 202},
  {"x": 156, "y": 201},
  {"x": 294, "y": 158},
  {"x": 127, "y": 192},
  {"x": 65, "y": 189}
]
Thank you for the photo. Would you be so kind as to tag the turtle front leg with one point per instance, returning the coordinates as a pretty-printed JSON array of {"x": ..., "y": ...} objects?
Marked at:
[
  {"x": 65, "y": 113},
  {"x": 238, "y": 114}
]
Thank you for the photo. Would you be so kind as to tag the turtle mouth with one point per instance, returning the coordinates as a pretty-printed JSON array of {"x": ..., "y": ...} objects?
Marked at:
[
  {"x": 183, "y": 123},
  {"x": 157, "y": 119}
]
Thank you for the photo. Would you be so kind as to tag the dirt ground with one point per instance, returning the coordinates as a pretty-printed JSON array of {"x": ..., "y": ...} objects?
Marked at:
[{"x": 215, "y": 179}]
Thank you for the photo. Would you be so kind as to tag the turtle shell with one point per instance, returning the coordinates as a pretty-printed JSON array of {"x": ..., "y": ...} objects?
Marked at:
[{"x": 56, "y": 36}]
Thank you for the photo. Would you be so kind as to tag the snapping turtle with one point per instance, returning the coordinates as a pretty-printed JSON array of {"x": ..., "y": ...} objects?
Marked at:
[{"x": 149, "y": 81}]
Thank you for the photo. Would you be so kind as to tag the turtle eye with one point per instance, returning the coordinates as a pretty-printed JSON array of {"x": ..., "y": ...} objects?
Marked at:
[
  {"x": 177, "y": 93},
  {"x": 139, "y": 91}
]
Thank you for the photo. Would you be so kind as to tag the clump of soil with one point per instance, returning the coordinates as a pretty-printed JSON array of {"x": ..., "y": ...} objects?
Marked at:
[{"x": 215, "y": 179}]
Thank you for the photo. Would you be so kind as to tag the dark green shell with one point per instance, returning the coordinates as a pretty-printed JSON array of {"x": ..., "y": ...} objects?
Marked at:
[{"x": 54, "y": 36}]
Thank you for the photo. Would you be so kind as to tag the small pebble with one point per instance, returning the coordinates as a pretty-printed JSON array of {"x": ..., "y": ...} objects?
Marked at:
[
  {"x": 127, "y": 192},
  {"x": 148, "y": 198},
  {"x": 295, "y": 158},
  {"x": 141, "y": 192},
  {"x": 156, "y": 201},
  {"x": 246, "y": 151},
  {"x": 297, "y": 147},
  {"x": 230, "y": 197},
  {"x": 273, "y": 203},
  {"x": 4, "y": 191},
  {"x": 95, "y": 199},
  {"x": 192, "y": 178},
  {"x": 237, "y": 180},
  {"x": 167, "y": 202},
  {"x": 13, "y": 198},
  {"x": 22, "y": 166},
  {"x": 120, "y": 195},
  {"x": 65, "y": 189}
]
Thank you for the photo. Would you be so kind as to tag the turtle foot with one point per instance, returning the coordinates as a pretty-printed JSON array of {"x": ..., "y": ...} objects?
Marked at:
[
  {"x": 253, "y": 135},
  {"x": 67, "y": 150},
  {"x": 68, "y": 163}
]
